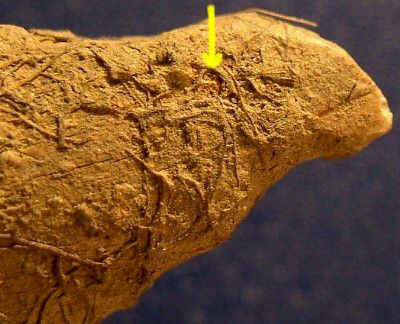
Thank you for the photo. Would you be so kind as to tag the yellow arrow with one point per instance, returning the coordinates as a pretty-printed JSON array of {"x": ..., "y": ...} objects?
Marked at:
[{"x": 211, "y": 59}]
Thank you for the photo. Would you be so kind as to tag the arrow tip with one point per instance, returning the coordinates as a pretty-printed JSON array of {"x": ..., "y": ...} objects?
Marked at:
[{"x": 212, "y": 60}]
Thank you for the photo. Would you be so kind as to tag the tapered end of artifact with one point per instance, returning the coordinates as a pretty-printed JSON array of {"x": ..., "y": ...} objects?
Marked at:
[
  {"x": 385, "y": 119},
  {"x": 376, "y": 120}
]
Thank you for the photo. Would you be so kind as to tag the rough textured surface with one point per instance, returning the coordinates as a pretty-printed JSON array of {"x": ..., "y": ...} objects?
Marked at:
[{"x": 122, "y": 158}]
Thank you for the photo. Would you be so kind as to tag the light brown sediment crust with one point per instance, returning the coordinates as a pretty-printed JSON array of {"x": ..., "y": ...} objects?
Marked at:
[{"x": 123, "y": 158}]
